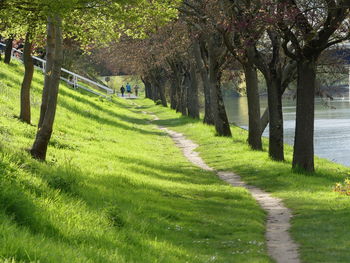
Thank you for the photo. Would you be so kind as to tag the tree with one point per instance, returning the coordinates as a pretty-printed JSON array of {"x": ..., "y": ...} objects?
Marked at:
[
  {"x": 25, "y": 114},
  {"x": 240, "y": 34},
  {"x": 192, "y": 95},
  {"x": 251, "y": 38},
  {"x": 200, "y": 56},
  {"x": 217, "y": 53},
  {"x": 308, "y": 29},
  {"x": 215, "y": 58},
  {"x": 50, "y": 93},
  {"x": 278, "y": 75},
  {"x": 8, "y": 49}
]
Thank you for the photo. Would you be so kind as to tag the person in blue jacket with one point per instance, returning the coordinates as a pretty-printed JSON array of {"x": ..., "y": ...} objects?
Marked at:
[{"x": 128, "y": 88}]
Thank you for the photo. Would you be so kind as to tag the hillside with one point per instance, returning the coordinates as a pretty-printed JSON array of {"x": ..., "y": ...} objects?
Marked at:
[{"x": 114, "y": 189}]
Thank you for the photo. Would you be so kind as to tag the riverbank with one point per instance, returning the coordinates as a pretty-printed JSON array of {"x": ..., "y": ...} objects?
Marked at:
[{"x": 320, "y": 222}]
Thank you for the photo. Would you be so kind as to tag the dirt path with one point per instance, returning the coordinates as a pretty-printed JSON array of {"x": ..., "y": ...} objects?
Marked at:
[{"x": 280, "y": 245}]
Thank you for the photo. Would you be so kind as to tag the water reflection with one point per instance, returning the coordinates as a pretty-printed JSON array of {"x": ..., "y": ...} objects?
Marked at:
[{"x": 332, "y": 125}]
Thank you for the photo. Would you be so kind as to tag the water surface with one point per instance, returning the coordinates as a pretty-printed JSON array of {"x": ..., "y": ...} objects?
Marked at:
[{"x": 332, "y": 125}]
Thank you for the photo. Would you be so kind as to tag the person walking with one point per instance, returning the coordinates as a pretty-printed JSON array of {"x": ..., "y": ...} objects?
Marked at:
[
  {"x": 136, "y": 88},
  {"x": 128, "y": 89},
  {"x": 122, "y": 90}
]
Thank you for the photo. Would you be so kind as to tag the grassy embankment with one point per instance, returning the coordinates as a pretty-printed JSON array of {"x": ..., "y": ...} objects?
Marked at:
[
  {"x": 113, "y": 189},
  {"x": 321, "y": 222}
]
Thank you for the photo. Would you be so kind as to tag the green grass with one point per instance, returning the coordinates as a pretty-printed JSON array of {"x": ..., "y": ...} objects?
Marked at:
[
  {"x": 321, "y": 216},
  {"x": 113, "y": 189}
]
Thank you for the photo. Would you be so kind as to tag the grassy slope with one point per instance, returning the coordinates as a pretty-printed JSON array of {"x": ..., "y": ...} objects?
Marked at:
[
  {"x": 114, "y": 189},
  {"x": 321, "y": 222}
]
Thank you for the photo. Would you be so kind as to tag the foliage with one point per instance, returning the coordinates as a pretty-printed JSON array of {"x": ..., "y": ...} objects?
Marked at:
[{"x": 89, "y": 23}]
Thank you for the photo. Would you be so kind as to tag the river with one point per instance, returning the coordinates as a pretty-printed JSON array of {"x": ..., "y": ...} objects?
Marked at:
[{"x": 332, "y": 125}]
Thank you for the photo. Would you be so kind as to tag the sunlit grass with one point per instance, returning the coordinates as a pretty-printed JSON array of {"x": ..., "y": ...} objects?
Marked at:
[
  {"x": 321, "y": 216},
  {"x": 113, "y": 189}
]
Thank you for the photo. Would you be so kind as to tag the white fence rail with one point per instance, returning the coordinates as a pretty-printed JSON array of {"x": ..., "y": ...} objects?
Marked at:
[{"x": 75, "y": 80}]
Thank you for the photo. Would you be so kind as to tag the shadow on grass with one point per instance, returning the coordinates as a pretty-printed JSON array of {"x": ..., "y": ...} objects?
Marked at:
[
  {"x": 10, "y": 78},
  {"x": 105, "y": 121},
  {"x": 173, "y": 122},
  {"x": 187, "y": 171},
  {"x": 111, "y": 113},
  {"x": 165, "y": 206},
  {"x": 17, "y": 202},
  {"x": 19, "y": 206},
  {"x": 13, "y": 79}
]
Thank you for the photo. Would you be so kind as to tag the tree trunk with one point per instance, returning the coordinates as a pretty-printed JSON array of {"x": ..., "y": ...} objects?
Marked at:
[
  {"x": 155, "y": 92},
  {"x": 222, "y": 125},
  {"x": 8, "y": 50},
  {"x": 173, "y": 91},
  {"x": 208, "y": 114},
  {"x": 303, "y": 156},
  {"x": 264, "y": 120},
  {"x": 192, "y": 94},
  {"x": 276, "y": 144},
  {"x": 175, "y": 86},
  {"x": 254, "y": 133},
  {"x": 186, "y": 82},
  {"x": 27, "y": 80},
  {"x": 161, "y": 89},
  {"x": 287, "y": 77},
  {"x": 179, "y": 95},
  {"x": 158, "y": 85},
  {"x": 50, "y": 52},
  {"x": 54, "y": 39},
  {"x": 148, "y": 92}
]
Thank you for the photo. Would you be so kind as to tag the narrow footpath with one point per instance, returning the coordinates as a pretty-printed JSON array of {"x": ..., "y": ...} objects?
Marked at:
[{"x": 280, "y": 245}]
